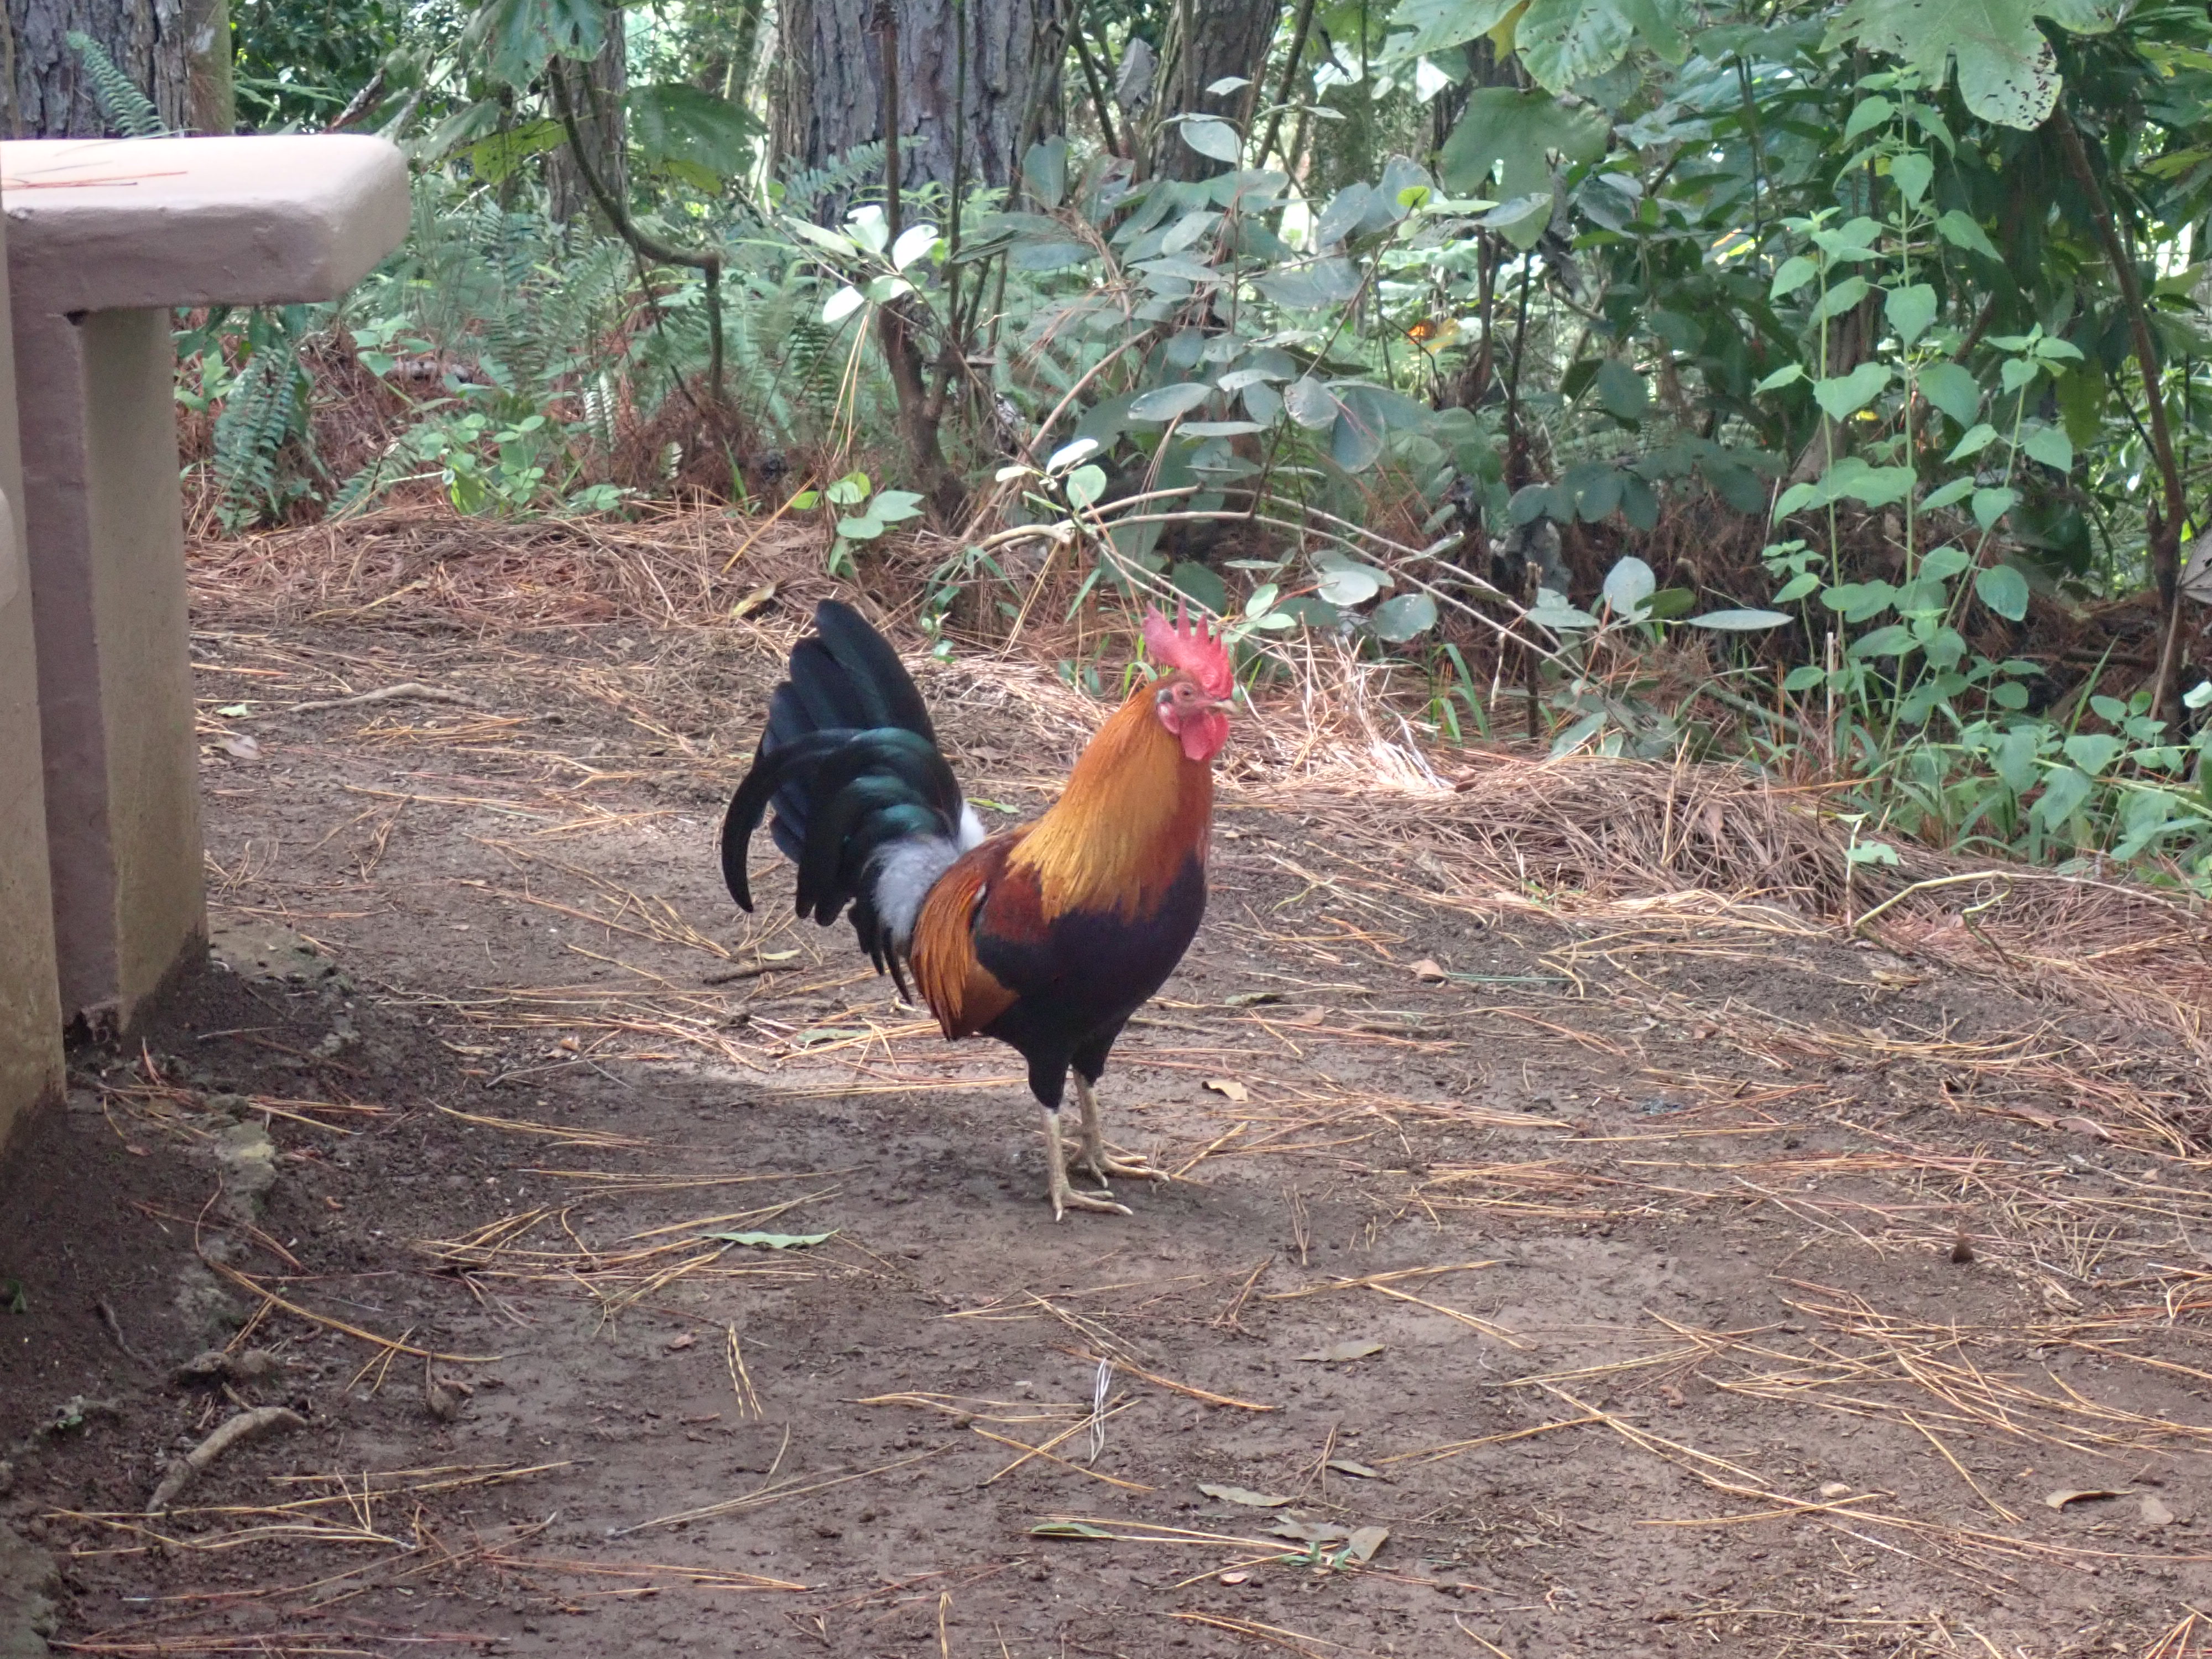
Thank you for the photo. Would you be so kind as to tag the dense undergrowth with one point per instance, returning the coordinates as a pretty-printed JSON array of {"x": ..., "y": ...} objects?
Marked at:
[{"x": 1756, "y": 393}]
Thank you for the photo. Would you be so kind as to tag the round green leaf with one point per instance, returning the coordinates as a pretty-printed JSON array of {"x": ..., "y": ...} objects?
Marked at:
[
  {"x": 1628, "y": 584},
  {"x": 2004, "y": 590},
  {"x": 1165, "y": 403},
  {"x": 1213, "y": 138},
  {"x": 1400, "y": 619},
  {"x": 1086, "y": 484}
]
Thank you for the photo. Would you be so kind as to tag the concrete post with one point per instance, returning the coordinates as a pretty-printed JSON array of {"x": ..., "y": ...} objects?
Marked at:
[
  {"x": 115, "y": 690},
  {"x": 30, "y": 1015},
  {"x": 104, "y": 238}
]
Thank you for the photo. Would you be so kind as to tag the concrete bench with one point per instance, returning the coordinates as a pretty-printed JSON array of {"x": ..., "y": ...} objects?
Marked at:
[{"x": 103, "y": 238}]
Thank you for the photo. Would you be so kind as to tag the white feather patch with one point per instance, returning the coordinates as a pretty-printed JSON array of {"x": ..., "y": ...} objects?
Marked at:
[
  {"x": 904, "y": 873},
  {"x": 972, "y": 833}
]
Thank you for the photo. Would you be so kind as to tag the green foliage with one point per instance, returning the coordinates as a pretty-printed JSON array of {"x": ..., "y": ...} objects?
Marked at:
[
  {"x": 1605, "y": 276},
  {"x": 299, "y": 67}
]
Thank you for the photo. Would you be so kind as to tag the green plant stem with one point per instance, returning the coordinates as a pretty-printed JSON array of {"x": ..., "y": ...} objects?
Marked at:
[
  {"x": 1096, "y": 85},
  {"x": 706, "y": 261},
  {"x": 1289, "y": 85}
]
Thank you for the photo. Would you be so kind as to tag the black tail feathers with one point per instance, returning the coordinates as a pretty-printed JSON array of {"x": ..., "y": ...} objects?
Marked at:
[{"x": 850, "y": 764}]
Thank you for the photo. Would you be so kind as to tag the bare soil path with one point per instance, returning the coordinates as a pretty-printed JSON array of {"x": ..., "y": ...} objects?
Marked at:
[{"x": 1546, "y": 1275}]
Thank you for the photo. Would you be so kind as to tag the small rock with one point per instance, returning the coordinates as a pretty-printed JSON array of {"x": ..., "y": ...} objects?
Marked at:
[
  {"x": 214, "y": 1365},
  {"x": 2155, "y": 1513},
  {"x": 1831, "y": 1490},
  {"x": 247, "y": 1159}
]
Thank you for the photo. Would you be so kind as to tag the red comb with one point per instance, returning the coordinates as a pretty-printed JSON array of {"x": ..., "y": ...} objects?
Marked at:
[{"x": 1189, "y": 646}]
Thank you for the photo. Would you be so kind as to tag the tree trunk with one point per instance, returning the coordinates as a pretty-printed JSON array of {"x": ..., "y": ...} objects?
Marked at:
[
  {"x": 830, "y": 100},
  {"x": 599, "y": 121},
  {"x": 212, "y": 104},
  {"x": 50, "y": 96},
  {"x": 1209, "y": 40}
]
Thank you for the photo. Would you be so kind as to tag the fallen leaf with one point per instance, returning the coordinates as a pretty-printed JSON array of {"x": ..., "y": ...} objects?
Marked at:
[
  {"x": 2156, "y": 1514},
  {"x": 1252, "y": 999},
  {"x": 1229, "y": 1087},
  {"x": 1338, "y": 1353},
  {"x": 239, "y": 747},
  {"x": 2085, "y": 1126},
  {"x": 753, "y": 601},
  {"x": 1345, "y": 1466},
  {"x": 2059, "y": 1500},
  {"x": 1234, "y": 1578},
  {"x": 1428, "y": 972},
  {"x": 1309, "y": 1532},
  {"x": 1304, "y": 1017},
  {"x": 236, "y": 711},
  {"x": 1363, "y": 1542},
  {"x": 677, "y": 1344},
  {"x": 1246, "y": 1496},
  {"x": 777, "y": 956},
  {"x": 773, "y": 1241},
  {"x": 1830, "y": 1490},
  {"x": 807, "y": 1039},
  {"x": 1067, "y": 1529}
]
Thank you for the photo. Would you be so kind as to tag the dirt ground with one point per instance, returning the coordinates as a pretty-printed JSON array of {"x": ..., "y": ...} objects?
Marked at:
[{"x": 1543, "y": 1276}]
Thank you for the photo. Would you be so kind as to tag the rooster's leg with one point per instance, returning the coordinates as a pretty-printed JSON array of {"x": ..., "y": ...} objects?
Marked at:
[
  {"x": 1064, "y": 1198},
  {"x": 1095, "y": 1155}
]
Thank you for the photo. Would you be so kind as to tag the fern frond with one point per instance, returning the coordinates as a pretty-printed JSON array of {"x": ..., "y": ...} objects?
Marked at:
[{"x": 120, "y": 100}]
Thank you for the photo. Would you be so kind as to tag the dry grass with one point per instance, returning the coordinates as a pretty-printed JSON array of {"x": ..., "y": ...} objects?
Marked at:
[{"x": 1625, "y": 872}]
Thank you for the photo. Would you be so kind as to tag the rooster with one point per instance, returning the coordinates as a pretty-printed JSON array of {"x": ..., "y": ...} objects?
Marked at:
[{"x": 1047, "y": 936}]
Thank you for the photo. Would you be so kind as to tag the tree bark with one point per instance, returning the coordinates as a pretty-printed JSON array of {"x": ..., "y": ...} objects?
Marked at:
[
  {"x": 2165, "y": 526},
  {"x": 49, "y": 95},
  {"x": 829, "y": 99},
  {"x": 211, "y": 102},
  {"x": 599, "y": 125},
  {"x": 1209, "y": 40}
]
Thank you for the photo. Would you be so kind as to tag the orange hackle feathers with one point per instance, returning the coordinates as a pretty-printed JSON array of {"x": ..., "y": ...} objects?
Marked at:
[
  {"x": 1134, "y": 807},
  {"x": 1192, "y": 648}
]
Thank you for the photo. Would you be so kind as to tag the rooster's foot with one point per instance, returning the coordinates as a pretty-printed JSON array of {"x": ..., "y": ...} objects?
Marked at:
[
  {"x": 1106, "y": 1167},
  {"x": 1064, "y": 1197}
]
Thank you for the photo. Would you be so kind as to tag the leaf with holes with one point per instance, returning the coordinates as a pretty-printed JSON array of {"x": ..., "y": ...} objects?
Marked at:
[{"x": 2008, "y": 73}]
